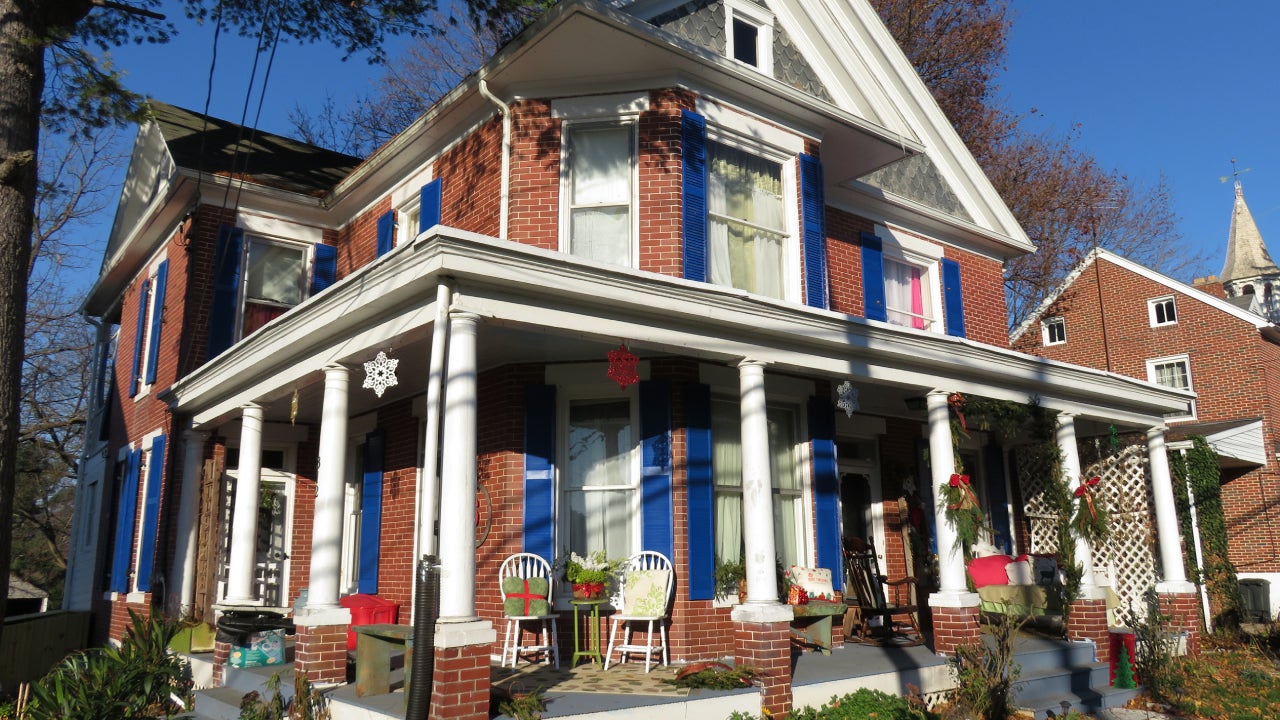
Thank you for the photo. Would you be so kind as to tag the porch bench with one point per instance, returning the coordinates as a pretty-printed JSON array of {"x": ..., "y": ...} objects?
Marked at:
[{"x": 375, "y": 644}]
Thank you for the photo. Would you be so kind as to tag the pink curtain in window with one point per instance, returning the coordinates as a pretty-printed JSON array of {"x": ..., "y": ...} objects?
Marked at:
[{"x": 917, "y": 300}]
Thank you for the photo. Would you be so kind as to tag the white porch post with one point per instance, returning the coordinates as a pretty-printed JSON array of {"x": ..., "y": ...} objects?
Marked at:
[
  {"x": 1175, "y": 576},
  {"x": 942, "y": 465},
  {"x": 244, "y": 521},
  {"x": 757, "y": 486},
  {"x": 1066, "y": 437},
  {"x": 183, "y": 572},
  {"x": 458, "y": 474},
  {"x": 326, "y": 534}
]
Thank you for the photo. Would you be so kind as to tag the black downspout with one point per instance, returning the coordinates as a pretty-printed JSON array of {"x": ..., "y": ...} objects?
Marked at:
[{"x": 426, "y": 610}]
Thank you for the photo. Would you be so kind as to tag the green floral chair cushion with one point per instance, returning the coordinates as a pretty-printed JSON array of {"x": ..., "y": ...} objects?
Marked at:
[
  {"x": 645, "y": 593},
  {"x": 525, "y": 597}
]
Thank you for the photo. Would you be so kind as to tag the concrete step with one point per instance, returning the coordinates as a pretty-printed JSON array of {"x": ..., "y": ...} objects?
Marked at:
[
  {"x": 222, "y": 703},
  {"x": 1034, "y": 654},
  {"x": 1089, "y": 701}
]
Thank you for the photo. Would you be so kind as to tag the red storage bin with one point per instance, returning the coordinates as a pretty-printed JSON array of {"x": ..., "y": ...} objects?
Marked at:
[
  {"x": 368, "y": 610},
  {"x": 1123, "y": 638}
]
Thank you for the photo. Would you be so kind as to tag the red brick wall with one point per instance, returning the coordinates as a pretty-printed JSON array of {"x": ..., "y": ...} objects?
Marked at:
[
  {"x": 304, "y": 513},
  {"x": 321, "y": 652},
  {"x": 844, "y": 260},
  {"x": 767, "y": 647},
  {"x": 535, "y": 175},
  {"x": 982, "y": 283},
  {"x": 1234, "y": 371},
  {"x": 396, "y": 567},
  {"x": 661, "y": 182},
  {"x": 358, "y": 241},
  {"x": 460, "y": 684},
  {"x": 470, "y": 174}
]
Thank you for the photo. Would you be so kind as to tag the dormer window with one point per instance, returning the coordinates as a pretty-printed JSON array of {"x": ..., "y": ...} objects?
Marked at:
[{"x": 749, "y": 34}]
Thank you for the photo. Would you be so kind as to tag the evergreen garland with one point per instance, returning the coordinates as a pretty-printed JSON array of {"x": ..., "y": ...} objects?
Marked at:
[
  {"x": 1199, "y": 466},
  {"x": 1090, "y": 521}
]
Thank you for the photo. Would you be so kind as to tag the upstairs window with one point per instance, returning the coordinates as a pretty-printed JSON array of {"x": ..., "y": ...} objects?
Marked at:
[
  {"x": 1053, "y": 331},
  {"x": 599, "y": 191},
  {"x": 1162, "y": 311},
  {"x": 749, "y": 34},
  {"x": 747, "y": 228},
  {"x": 275, "y": 280},
  {"x": 906, "y": 295},
  {"x": 1173, "y": 372}
]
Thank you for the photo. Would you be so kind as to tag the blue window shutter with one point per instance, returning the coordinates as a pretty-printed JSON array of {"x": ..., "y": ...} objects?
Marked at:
[
  {"x": 144, "y": 298},
  {"x": 952, "y": 297},
  {"x": 157, "y": 320},
  {"x": 126, "y": 515},
  {"x": 430, "y": 200},
  {"x": 693, "y": 141},
  {"x": 813, "y": 205},
  {"x": 150, "y": 516},
  {"x": 826, "y": 488},
  {"x": 324, "y": 268},
  {"x": 539, "y": 470},
  {"x": 701, "y": 492},
  {"x": 997, "y": 496},
  {"x": 873, "y": 278},
  {"x": 656, "y": 531},
  {"x": 386, "y": 232},
  {"x": 226, "y": 289},
  {"x": 371, "y": 511}
]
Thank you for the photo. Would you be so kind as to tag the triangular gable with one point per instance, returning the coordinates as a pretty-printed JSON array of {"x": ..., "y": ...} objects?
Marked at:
[{"x": 1173, "y": 285}]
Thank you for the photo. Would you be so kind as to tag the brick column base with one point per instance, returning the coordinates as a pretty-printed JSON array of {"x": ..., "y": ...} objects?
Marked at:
[
  {"x": 766, "y": 646},
  {"x": 1184, "y": 611},
  {"x": 221, "y": 654},
  {"x": 320, "y": 651},
  {"x": 1088, "y": 621},
  {"x": 955, "y": 627},
  {"x": 460, "y": 684}
]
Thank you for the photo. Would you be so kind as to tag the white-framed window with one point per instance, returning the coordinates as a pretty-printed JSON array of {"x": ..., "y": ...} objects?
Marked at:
[
  {"x": 274, "y": 279},
  {"x": 152, "y": 317},
  {"x": 788, "y": 485},
  {"x": 1162, "y": 311},
  {"x": 1053, "y": 331},
  {"x": 140, "y": 520},
  {"x": 410, "y": 217},
  {"x": 748, "y": 226},
  {"x": 912, "y": 280},
  {"x": 1173, "y": 372},
  {"x": 600, "y": 473},
  {"x": 749, "y": 34},
  {"x": 598, "y": 187}
]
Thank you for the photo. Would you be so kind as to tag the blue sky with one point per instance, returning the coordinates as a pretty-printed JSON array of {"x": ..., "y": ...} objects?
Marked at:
[{"x": 1174, "y": 88}]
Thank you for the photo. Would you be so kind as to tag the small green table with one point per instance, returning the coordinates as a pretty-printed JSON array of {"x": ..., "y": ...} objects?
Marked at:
[
  {"x": 593, "y": 633},
  {"x": 812, "y": 624}
]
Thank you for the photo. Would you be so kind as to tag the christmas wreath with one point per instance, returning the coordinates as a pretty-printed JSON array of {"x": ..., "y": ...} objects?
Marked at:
[
  {"x": 962, "y": 509},
  {"x": 1090, "y": 519}
]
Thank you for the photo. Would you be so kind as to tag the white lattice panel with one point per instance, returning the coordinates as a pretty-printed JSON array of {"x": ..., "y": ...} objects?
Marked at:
[
  {"x": 1041, "y": 517},
  {"x": 1128, "y": 556}
]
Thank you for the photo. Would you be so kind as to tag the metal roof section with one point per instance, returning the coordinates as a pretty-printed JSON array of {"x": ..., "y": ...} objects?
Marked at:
[{"x": 1238, "y": 443}]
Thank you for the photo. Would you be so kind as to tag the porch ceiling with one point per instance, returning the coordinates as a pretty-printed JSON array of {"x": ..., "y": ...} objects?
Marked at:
[{"x": 542, "y": 306}]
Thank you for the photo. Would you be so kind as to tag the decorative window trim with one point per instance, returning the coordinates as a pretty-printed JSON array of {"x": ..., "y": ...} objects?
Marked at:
[
  {"x": 1152, "y": 363},
  {"x": 1153, "y": 307},
  {"x": 1046, "y": 331},
  {"x": 153, "y": 314},
  {"x": 600, "y": 107},
  {"x": 617, "y": 120},
  {"x": 760, "y": 18}
]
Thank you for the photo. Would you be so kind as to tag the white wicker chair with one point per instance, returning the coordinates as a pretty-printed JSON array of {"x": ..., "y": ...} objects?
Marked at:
[
  {"x": 649, "y": 612},
  {"x": 527, "y": 566}
]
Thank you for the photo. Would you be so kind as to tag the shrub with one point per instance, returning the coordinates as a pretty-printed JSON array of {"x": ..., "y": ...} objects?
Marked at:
[
  {"x": 986, "y": 673},
  {"x": 864, "y": 704},
  {"x": 1156, "y": 663}
]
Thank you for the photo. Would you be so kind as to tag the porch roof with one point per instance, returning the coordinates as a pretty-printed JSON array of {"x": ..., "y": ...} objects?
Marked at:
[{"x": 544, "y": 306}]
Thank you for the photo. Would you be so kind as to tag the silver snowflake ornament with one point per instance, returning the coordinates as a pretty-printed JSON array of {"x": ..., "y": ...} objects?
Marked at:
[
  {"x": 380, "y": 373},
  {"x": 848, "y": 398}
]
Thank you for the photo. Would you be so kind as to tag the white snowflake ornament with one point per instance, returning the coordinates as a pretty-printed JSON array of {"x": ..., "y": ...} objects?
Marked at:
[
  {"x": 380, "y": 373},
  {"x": 848, "y": 398}
]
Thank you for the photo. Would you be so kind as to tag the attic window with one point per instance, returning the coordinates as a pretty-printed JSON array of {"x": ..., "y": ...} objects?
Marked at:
[
  {"x": 749, "y": 34},
  {"x": 1162, "y": 311},
  {"x": 1053, "y": 331}
]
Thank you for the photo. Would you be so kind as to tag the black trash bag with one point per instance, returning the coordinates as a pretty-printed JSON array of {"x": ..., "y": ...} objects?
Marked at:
[{"x": 236, "y": 626}]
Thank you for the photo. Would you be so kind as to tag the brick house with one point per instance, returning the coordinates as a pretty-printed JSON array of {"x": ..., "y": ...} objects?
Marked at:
[
  {"x": 760, "y": 201},
  {"x": 1116, "y": 315}
]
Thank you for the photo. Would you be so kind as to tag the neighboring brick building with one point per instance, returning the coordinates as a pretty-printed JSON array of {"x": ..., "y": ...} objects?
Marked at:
[
  {"x": 769, "y": 216},
  {"x": 1121, "y": 317}
]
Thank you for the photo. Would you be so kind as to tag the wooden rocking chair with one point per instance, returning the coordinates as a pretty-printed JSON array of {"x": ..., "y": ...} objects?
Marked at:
[{"x": 866, "y": 600}]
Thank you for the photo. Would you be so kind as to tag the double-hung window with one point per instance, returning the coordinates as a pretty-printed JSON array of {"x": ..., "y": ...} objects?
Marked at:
[
  {"x": 274, "y": 281},
  {"x": 1173, "y": 372},
  {"x": 726, "y": 462},
  {"x": 599, "y": 186},
  {"x": 907, "y": 301},
  {"x": 600, "y": 476},
  {"x": 747, "y": 229}
]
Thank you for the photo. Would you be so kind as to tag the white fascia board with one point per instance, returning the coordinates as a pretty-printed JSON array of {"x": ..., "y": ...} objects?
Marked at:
[
  {"x": 1245, "y": 442},
  {"x": 221, "y": 191},
  {"x": 516, "y": 284},
  {"x": 1216, "y": 303}
]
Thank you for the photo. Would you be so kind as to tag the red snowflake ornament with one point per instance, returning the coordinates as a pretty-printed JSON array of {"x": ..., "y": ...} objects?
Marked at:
[{"x": 622, "y": 367}]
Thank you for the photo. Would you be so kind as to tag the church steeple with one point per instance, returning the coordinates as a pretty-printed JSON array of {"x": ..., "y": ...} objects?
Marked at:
[{"x": 1249, "y": 269}]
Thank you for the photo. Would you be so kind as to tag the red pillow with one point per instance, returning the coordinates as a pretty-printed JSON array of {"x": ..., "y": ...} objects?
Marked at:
[{"x": 989, "y": 570}]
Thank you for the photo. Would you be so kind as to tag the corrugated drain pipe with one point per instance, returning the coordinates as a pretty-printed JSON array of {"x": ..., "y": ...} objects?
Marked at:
[{"x": 426, "y": 610}]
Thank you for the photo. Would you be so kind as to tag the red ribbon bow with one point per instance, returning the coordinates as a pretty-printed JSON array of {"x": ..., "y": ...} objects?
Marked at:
[
  {"x": 527, "y": 596},
  {"x": 967, "y": 496},
  {"x": 956, "y": 401},
  {"x": 1085, "y": 490},
  {"x": 957, "y": 479}
]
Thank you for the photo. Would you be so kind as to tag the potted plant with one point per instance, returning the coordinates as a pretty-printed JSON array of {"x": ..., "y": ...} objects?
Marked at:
[
  {"x": 589, "y": 575},
  {"x": 731, "y": 578}
]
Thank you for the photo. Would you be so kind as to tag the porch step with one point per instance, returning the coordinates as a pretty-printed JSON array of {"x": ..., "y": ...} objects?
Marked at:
[
  {"x": 221, "y": 703},
  {"x": 1057, "y": 673}
]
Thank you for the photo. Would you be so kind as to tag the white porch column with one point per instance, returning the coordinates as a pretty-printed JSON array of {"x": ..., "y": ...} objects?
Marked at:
[
  {"x": 458, "y": 474},
  {"x": 942, "y": 465},
  {"x": 1066, "y": 437},
  {"x": 1175, "y": 575},
  {"x": 757, "y": 487},
  {"x": 183, "y": 591},
  {"x": 244, "y": 520},
  {"x": 326, "y": 533}
]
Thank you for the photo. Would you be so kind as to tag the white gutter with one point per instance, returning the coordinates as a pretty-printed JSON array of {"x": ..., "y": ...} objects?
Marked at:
[
  {"x": 506, "y": 155},
  {"x": 429, "y": 485},
  {"x": 1199, "y": 547}
]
